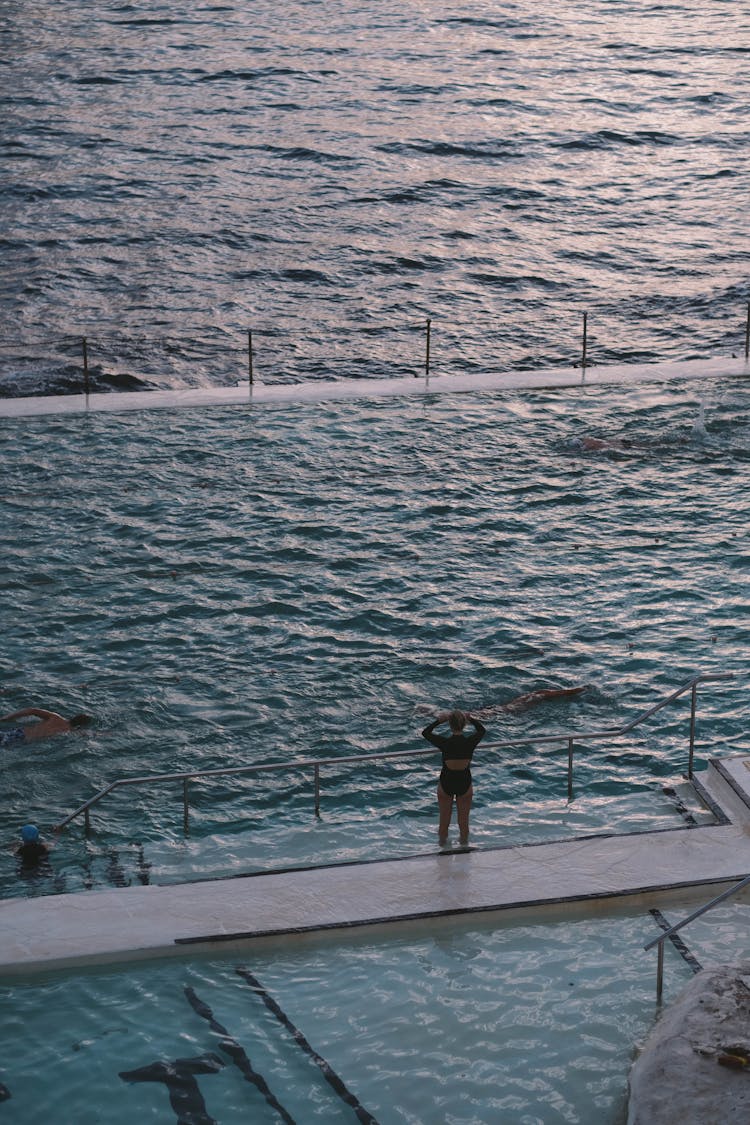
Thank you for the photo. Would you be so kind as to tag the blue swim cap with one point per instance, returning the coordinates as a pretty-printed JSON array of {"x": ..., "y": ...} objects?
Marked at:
[{"x": 30, "y": 833}]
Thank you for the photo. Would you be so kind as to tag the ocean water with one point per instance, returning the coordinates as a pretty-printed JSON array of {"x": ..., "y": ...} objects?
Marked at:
[
  {"x": 330, "y": 175},
  {"x": 239, "y": 586}
]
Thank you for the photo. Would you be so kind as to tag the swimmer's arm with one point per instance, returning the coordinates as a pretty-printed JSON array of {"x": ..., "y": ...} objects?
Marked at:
[{"x": 29, "y": 712}]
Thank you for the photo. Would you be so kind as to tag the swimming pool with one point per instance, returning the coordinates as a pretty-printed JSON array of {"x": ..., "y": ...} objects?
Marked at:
[
  {"x": 464, "y": 1023},
  {"x": 457, "y": 1023},
  {"x": 243, "y": 586}
]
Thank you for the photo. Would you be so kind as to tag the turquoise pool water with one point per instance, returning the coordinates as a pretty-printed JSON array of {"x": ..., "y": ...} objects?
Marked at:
[
  {"x": 534, "y": 1024},
  {"x": 239, "y": 586}
]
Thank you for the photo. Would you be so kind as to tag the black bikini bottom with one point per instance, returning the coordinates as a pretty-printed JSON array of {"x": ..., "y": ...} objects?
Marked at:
[{"x": 455, "y": 782}]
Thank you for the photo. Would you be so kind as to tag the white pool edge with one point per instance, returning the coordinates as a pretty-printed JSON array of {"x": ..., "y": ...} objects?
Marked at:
[{"x": 259, "y": 393}]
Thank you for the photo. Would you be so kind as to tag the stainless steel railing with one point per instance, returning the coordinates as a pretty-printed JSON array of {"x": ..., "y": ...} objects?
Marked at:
[
  {"x": 317, "y": 763},
  {"x": 678, "y": 926}
]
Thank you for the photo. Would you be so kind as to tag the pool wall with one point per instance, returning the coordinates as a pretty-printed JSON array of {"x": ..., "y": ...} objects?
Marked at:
[{"x": 133, "y": 923}]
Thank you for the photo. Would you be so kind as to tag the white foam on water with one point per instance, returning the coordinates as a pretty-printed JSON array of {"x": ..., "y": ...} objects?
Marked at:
[{"x": 287, "y": 393}]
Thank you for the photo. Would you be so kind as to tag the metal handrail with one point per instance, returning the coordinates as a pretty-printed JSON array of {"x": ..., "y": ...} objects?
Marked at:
[
  {"x": 678, "y": 926},
  {"x": 316, "y": 763}
]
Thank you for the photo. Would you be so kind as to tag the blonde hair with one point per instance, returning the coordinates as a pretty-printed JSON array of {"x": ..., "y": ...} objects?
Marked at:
[{"x": 457, "y": 721}]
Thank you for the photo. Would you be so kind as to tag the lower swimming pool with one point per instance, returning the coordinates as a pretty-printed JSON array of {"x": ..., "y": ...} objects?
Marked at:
[{"x": 467, "y": 1024}]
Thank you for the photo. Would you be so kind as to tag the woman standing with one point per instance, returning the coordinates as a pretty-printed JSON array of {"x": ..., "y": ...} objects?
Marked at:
[{"x": 455, "y": 777}]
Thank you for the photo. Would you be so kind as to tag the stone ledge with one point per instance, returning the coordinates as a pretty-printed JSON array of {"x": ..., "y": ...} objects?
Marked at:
[{"x": 695, "y": 1066}]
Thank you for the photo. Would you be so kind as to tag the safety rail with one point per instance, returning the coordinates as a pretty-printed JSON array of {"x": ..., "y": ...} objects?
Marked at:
[
  {"x": 679, "y": 925},
  {"x": 316, "y": 763}
]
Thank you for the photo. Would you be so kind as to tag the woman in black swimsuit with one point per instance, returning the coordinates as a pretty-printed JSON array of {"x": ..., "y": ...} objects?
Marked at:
[{"x": 455, "y": 777}]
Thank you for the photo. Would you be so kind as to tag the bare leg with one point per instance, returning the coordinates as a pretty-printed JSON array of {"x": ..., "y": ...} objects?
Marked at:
[
  {"x": 445, "y": 804},
  {"x": 463, "y": 808}
]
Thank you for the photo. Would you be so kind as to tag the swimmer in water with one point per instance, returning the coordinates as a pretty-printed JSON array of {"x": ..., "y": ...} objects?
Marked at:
[
  {"x": 32, "y": 855},
  {"x": 605, "y": 443},
  {"x": 50, "y": 724},
  {"x": 625, "y": 445},
  {"x": 32, "y": 848},
  {"x": 529, "y": 699}
]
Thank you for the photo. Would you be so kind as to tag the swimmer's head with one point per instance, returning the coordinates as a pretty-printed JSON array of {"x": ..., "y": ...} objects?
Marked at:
[
  {"x": 80, "y": 721},
  {"x": 457, "y": 721},
  {"x": 29, "y": 833}
]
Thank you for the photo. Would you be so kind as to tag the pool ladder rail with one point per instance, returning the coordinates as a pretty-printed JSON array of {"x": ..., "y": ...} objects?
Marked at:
[
  {"x": 316, "y": 763},
  {"x": 659, "y": 941}
]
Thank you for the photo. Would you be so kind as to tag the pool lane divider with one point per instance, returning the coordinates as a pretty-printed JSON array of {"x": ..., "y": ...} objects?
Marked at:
[
  {"x": 238, "y": 1055},
  {"x": 179, "y": 1077},
  {"x": 688, "y": 957},
  {"x": 326, "y": 1069}
]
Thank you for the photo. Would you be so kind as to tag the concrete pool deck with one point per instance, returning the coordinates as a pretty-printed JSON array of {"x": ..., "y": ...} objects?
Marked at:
[{"x": 531, "y": 882}]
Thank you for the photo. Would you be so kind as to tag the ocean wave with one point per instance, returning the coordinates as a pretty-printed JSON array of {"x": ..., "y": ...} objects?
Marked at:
[
  {"x": 608, "y": 138},
  {"x": 480, "y": 150},
  {"x": 19, "y": 380}
]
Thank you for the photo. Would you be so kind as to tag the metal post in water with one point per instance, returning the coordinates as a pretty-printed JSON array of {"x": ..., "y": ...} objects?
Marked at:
[
  {"x": 185, "y": 809},
  {"x": 693, "y": 695},
  {"x": 747, "y": 334},
  {"x": 317, "y": 790},
  {"x": 86, "y": 821},
  {"x": 570, "y": 769},
  {"x": 427, "y": 351},
  {"x": 85, "y": 367},
  {"x": 660, "y": 972},
  {"x": 585, "y": 342},
  {"x": 250, "y": 358}
]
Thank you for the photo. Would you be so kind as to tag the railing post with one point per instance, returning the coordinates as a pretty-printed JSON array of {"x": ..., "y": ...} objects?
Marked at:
[
  {"x": 585, "y": 343},
  {"x": 185, "y": 808},
  {"x": 693, "y": 696},
  {"x": 747, "y": 334},
  {"x": 85, "y": 366},
  {"x": 317, "y": 789},
  {"x": 427, "y": 351},
  {"x": 250, "y": 359},
  {"x": 86, "y": 822},
  {"x": 570, "y": 769},
  {"x": 660, "y": 973}
]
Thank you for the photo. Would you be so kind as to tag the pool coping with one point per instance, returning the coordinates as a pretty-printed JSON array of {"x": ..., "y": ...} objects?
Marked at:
[
  {"x": 534, "y": 882},
  {"x": 243, "y": 394}
]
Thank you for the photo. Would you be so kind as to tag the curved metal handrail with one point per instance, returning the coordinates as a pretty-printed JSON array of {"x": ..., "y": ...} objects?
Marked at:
[
  {"x": 316, "y": 763},
  {"x": 690, "y": 918}
]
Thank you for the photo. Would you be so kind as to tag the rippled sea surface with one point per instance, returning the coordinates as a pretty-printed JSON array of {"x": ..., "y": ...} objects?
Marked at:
[
  {"x": 271, "y": 584},
  {"x": 329, "y": 175}
]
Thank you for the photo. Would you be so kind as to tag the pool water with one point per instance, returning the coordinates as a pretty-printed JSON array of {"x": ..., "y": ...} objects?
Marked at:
[
  {"x": 720, "y": 935},
  {"x": 458, "y": 1024},
  {"x": 239, "y": 586},
  {"x": 256, "y": 842}
]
